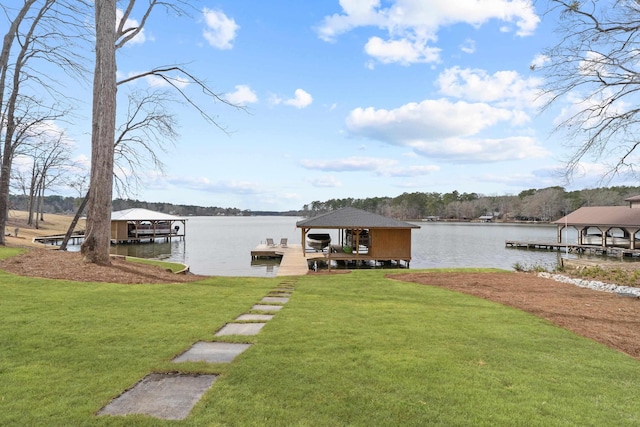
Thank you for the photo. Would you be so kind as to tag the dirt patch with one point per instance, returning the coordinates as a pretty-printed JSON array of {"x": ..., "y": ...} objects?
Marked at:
[
  {"x": 54, "y": 264},
  {"x": 604, "y": 317}
]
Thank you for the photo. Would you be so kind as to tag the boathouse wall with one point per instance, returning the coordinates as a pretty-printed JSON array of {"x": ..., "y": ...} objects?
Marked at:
[
  {"x": 390, "y": 243},
  {"x": 119, "y": 230}
]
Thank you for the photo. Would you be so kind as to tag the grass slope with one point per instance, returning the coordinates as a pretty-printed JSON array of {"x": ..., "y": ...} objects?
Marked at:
[{"x": 354, "y": 349}]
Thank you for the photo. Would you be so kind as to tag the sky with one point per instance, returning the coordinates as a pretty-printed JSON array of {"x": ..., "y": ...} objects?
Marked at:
[{"x": 349, "y": 98}]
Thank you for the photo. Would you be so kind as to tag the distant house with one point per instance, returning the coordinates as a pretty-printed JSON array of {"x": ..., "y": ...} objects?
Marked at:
[
  {"x": 485, "y": 218},
  {"x": 362, "y": 235},
  {"x": 606, "y": 226},
  {"x": 135, "y": 225}
]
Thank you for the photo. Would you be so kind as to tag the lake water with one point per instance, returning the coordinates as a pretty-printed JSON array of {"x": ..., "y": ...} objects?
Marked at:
[{"x": 222, "y": 246}]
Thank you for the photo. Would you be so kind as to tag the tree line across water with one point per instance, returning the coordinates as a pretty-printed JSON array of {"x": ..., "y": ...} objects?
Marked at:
[{"x": 546, "y": 204}]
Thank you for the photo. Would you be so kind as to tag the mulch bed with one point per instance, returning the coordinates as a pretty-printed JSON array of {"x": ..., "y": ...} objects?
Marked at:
[
  {"x": 604, "y": 317},
  {"x": 54, "y": 264}
]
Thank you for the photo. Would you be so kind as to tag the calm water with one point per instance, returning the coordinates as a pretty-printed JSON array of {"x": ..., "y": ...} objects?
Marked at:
[{"x": 222, "y": 245}]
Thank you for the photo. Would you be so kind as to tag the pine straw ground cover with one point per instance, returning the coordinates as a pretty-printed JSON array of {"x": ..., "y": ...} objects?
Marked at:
[{"x": 54, "y": 264}]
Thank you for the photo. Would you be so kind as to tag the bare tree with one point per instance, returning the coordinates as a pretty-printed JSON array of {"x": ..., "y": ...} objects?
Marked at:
[
  {"x": 39, "y": 31},
  {"x": 95, "y": 247},
  {"x": 50, "y": 163},
  {"x": 147, "y": 131},
  {"x": 595, "y": 66},
  {"x": 110, "y": 36}
]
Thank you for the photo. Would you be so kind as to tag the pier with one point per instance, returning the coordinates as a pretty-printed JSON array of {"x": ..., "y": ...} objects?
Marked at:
[
  {"x": 74, "y": 239},
  {"x": 295, "y": 262},
  {"x": 573, "y": 248}
]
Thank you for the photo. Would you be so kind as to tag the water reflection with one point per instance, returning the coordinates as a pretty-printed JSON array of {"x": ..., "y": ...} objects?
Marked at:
[
  {"x": 158, "y": 250},
  {"x": 268, "y": 265}
]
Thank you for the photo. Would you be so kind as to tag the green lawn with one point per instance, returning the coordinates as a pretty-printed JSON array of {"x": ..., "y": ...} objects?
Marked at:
[{"x": 354, "y": 349}]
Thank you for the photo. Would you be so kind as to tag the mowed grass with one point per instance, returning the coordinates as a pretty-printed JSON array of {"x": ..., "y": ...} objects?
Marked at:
[
  {"x": 352, "y": 349},
  {"x": 174, "y": 267}
]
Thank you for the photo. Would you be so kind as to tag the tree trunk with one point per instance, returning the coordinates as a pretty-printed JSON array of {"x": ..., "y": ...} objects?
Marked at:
[
  {"x": 32, "y": 190},
  {"x": 74, "y": 222},
  {"x": 7, "y": 152},
  {"x": 95, "y": 248}
]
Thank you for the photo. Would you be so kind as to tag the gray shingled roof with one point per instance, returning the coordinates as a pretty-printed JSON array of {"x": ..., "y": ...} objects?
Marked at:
[
  {"x": 603, "y": 215},
  {"x": 352, "y": 217}
]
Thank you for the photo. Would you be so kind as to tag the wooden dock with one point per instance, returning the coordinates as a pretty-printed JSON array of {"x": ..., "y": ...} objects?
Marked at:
[
  {"x": 293, "y": 261},
  {"x": 573, "y": 248}
]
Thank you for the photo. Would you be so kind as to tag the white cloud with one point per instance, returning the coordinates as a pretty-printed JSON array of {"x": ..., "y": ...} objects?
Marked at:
[
  {"x": 469, "y": 46},
  {"x": 429, "y": 119},
  {"x": 224, "y": 186},
  {"x": 302, "y": 99},
  {"x": 505, "y": 88},
  {"x": 243, "y": 95},
  {"x": 404, "y": 51},
  {"x": 325, "y": 182},
  {"x": 410, "y": 171},
  {"x": 412, "y": 24},
  {"x": 472, "y": 150},
  {"x": 447, "y": 130},
  {"x": 350, "y": 164},
  {"x": 131, "y": 24},
  {"x": 540, "y": 61},
  {"x": 221, "y": 30}
]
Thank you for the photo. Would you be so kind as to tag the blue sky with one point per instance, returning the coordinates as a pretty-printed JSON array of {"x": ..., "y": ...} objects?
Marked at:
[{"x": 350, "y": 98}]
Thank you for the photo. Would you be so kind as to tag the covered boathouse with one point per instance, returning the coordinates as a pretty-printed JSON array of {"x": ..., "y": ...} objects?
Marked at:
[
  {"x": 362, "y": 236},
  {"x": 140, "y": 225},
  {"x": 605, "y": 226}
]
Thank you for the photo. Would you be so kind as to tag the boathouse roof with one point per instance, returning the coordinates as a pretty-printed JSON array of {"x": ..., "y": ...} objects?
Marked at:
[
  {"x": 139, "y": 214},
  {"x": 602, "y": 215},
  {"x": 353, "y": 218}
]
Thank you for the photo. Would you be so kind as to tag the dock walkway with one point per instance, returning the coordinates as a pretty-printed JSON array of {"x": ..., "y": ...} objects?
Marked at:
[
  {"x": 293, "y": 263},
  {"x": 573, "y": 248}
]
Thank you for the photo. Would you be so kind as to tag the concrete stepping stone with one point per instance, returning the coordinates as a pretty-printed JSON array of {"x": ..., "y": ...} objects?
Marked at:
[
  {"x": 279, "y": 294},
  {"x": 240, "y": 329},
  {"x": 253, "y": 317},
  {"x": 212, "y": 352},
  {"x": 266, "y": 307},
  {"x": 166, "y": 396},
  {"x": 275, "y": 299}
]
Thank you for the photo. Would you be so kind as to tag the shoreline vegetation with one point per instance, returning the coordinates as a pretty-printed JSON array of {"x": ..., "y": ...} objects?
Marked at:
[{"x": 532, "y": 205}]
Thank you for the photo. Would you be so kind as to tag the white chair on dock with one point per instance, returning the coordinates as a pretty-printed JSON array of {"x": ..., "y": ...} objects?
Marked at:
[
  {"x": 283, "y": 242},
  {"x": 270, "y": 242}
]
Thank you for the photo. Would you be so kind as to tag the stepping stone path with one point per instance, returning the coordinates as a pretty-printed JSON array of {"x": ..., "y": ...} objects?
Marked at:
[
  {"x": 240, "y": 329},
  {"x": 172, "y": 396},
  {"x": 280, "y": 300},
  {"x": 212, "y": 352},
  {"x": 253, "y": 317},
  {"x": 167, "y": 396},
  {"x": 263, "y": 307}
]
